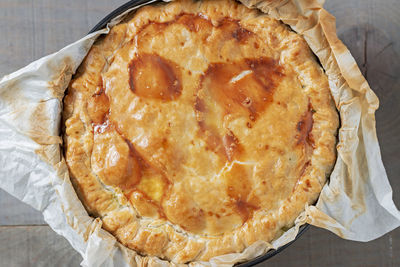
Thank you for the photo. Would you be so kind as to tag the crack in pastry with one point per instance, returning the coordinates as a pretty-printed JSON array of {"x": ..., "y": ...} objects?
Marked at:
[{"x": 212, "y": 122}]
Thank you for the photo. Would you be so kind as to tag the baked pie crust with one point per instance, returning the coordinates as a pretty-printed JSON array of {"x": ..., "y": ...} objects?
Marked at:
[{"x": 195, "y": 128}]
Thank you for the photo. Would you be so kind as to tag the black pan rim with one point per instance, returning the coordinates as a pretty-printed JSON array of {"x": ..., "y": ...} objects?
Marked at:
[{"x": 102, "y": 24}]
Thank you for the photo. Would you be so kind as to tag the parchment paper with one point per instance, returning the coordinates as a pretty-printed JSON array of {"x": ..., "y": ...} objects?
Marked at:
[{"x": 356, "y": 204}]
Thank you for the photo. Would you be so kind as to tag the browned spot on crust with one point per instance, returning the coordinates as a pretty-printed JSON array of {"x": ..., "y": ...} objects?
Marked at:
[
  {"x": 199, "y": 23},
  {"x": 303, "y": 170},
  {"x": 308, "y": 163},
  {"x": 231, "y": 145},
  {"x": 233, "y": 30},
  {"x": 304, "y": 128},
  {"x": 134, "y": 169},
  {"x": 226, "y": 146},
  {"x": 238, "y": 189},
  {"x": 308, "y": 184},
  {"x": 194, "y": 23},
  {"x": 199, "y": 106},
  {"x": 242, "y": 88},
  {"x": 98, "y": 107},
  {"x": 134, "y": 154},
  {"x": 241, "y": 34},
  {"x": 151, "y": 76},
  {"x": 245, "y": 209}
]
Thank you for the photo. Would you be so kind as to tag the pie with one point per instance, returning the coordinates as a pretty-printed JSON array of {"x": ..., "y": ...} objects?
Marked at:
[{"x": 195, "y": 128}]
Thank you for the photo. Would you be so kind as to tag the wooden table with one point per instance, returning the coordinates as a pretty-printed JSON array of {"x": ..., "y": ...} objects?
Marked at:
[{"x": 30, "y": 29}]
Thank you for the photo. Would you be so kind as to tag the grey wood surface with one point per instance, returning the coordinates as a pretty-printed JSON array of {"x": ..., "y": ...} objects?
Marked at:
[
  {"x": 30, "y": 29},
  {"x": 35, "y": 246}
]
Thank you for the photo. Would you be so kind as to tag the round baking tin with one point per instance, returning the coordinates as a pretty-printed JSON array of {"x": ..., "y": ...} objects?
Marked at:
[{"x": 102, "y": 24}]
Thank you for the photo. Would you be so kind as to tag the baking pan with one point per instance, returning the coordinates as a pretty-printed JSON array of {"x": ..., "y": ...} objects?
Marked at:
[{"x": 102, "y": 24}]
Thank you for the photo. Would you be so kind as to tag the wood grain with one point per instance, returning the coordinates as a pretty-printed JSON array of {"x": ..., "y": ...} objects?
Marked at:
[
  {"x": 30, "y": 29},
  {"x": 318, "y": 248},
  {"x": 35, "y": 246},
  {"x": 15, "y": 212}
]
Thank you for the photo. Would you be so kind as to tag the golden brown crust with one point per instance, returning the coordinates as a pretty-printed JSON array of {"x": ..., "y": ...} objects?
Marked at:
[{"x": 197, "y": 128}]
